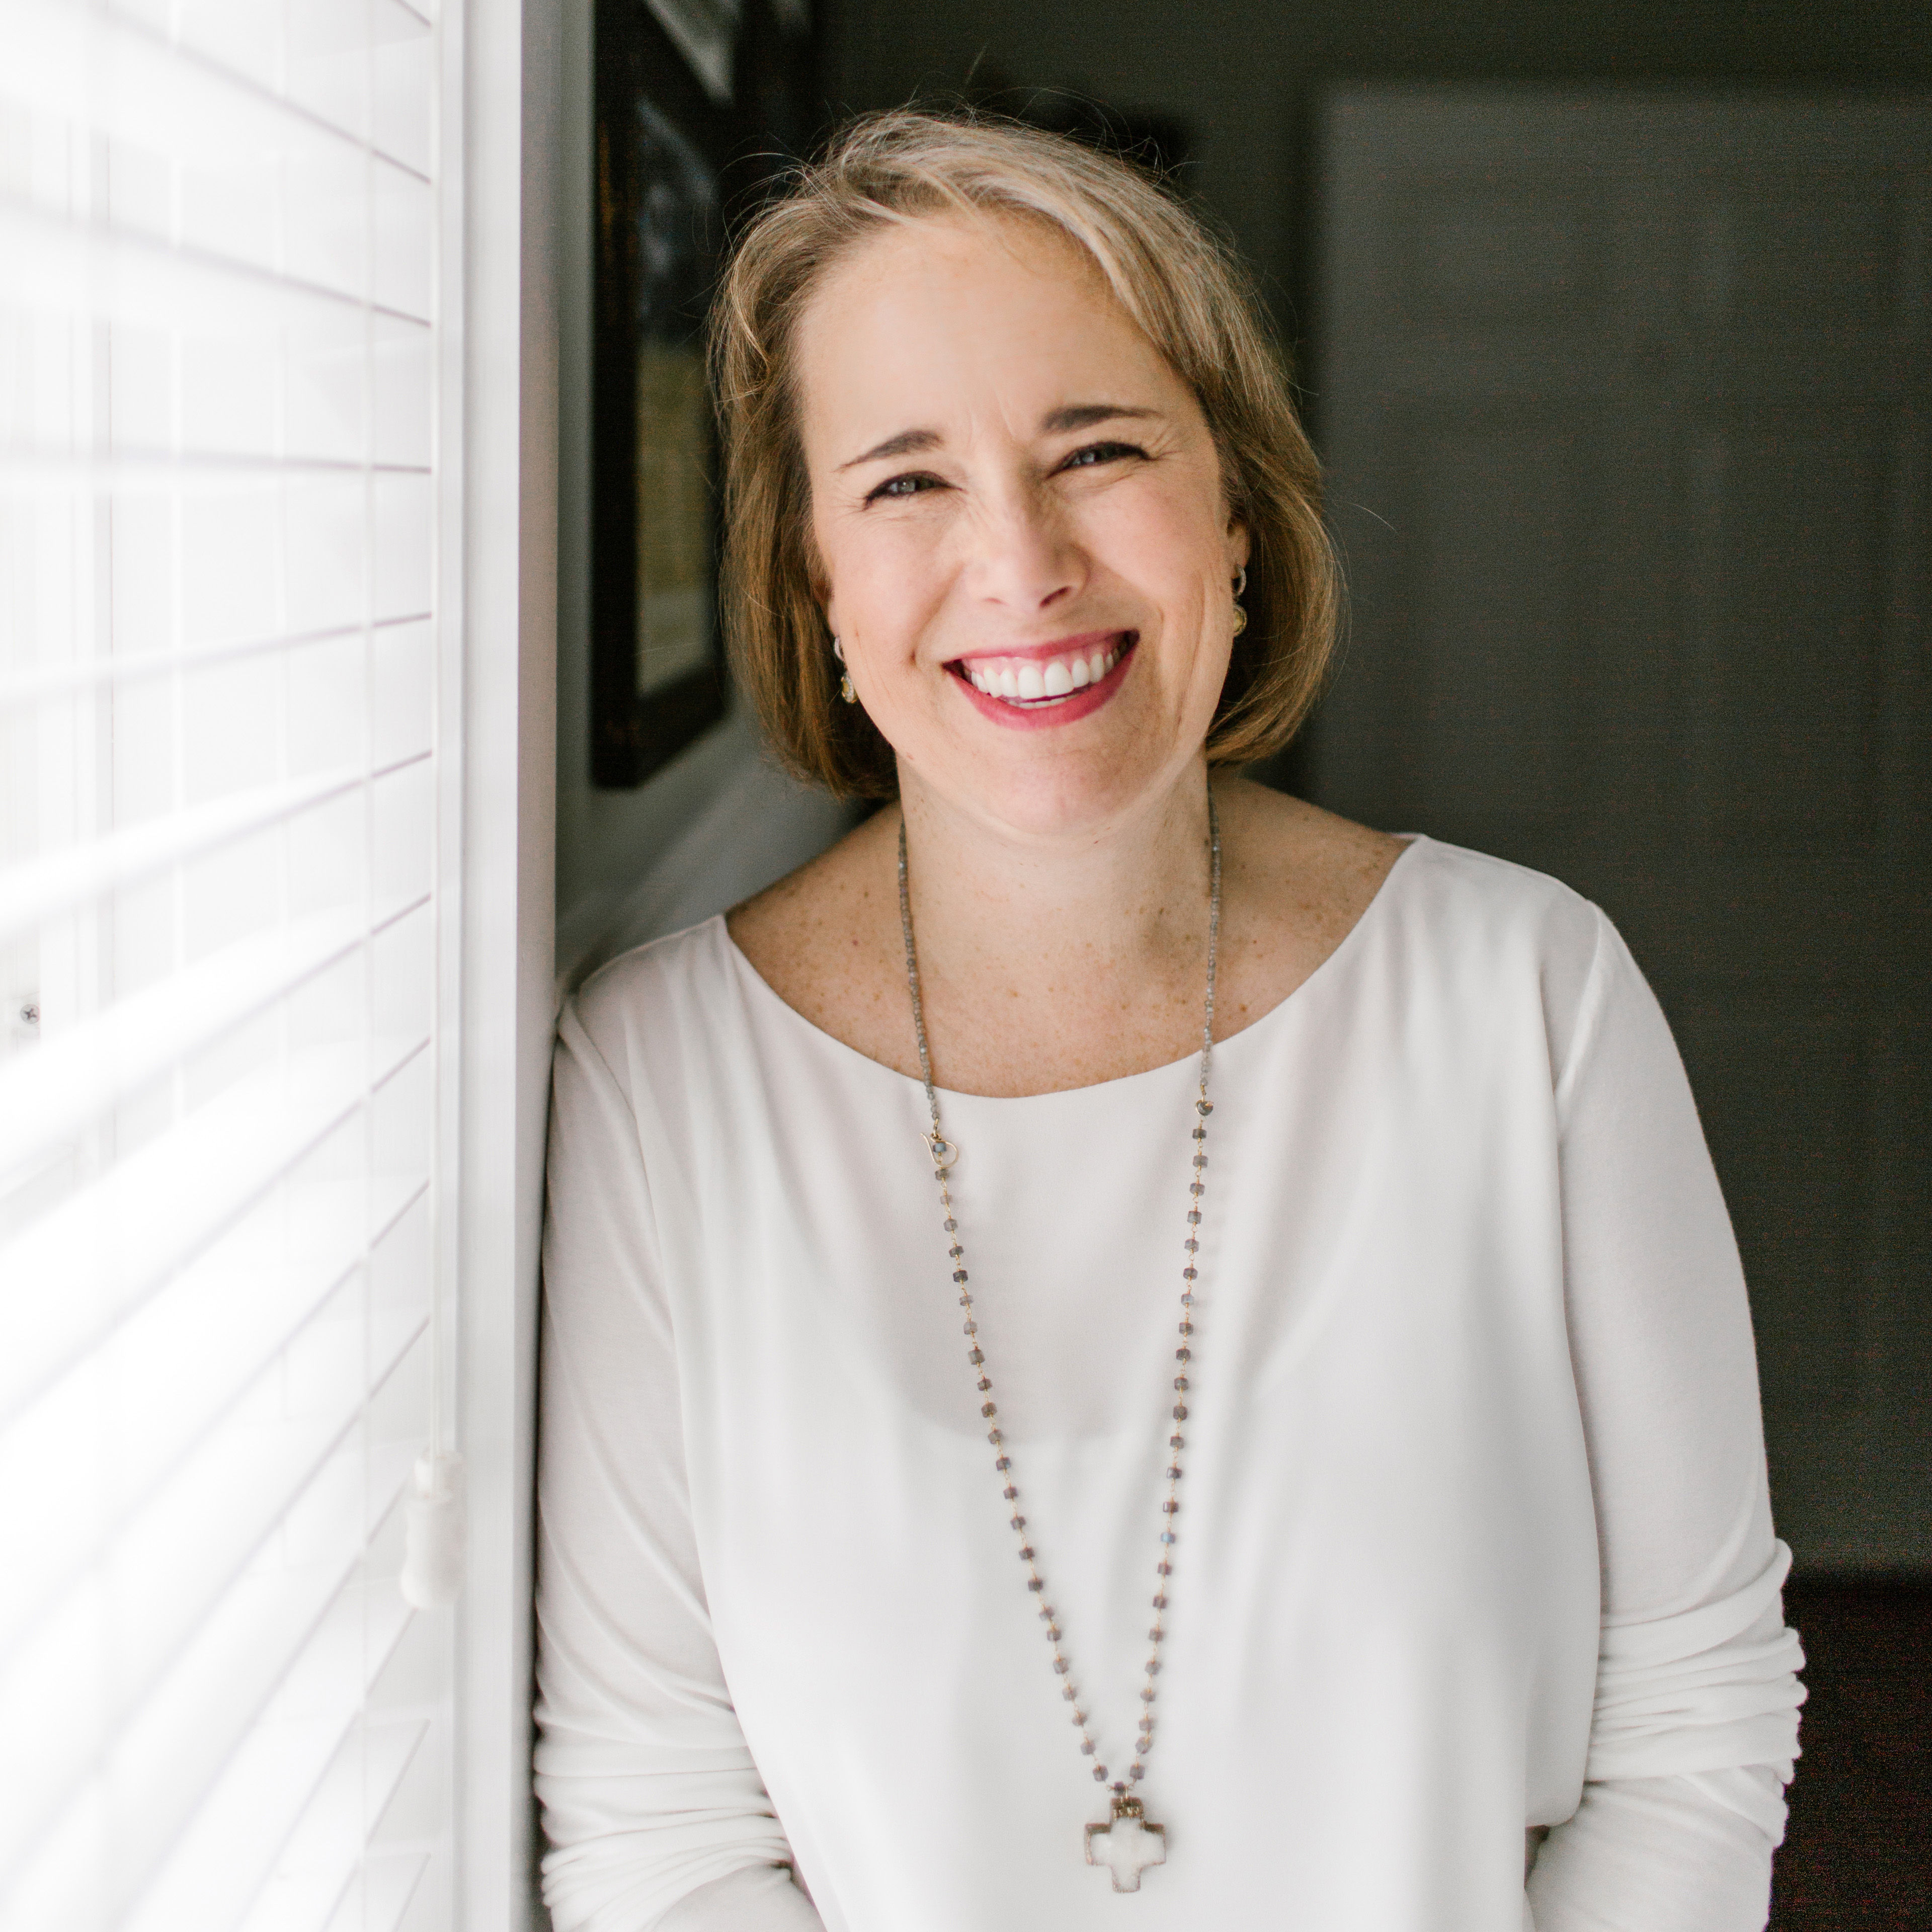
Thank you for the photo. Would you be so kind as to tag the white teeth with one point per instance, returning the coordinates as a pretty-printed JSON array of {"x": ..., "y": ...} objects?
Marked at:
[{"x": 1031, "y": 683}]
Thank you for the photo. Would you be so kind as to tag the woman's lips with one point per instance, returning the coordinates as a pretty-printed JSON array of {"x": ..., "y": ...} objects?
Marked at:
[
  {"x": 1028, "y": 679},
  {"x": 1052, "y": 685}
]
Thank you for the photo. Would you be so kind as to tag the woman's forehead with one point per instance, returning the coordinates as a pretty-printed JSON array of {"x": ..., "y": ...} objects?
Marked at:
[
  {"x": 927, "y": 245},
  {"x": 956, "y": 306}
]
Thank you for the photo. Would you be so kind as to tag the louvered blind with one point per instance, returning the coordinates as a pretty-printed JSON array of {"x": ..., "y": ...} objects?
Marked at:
[{"x": 220, "y": 1067}]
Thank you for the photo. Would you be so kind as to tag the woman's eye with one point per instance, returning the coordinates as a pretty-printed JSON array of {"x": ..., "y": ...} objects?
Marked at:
[
  {"x": 903, "y": 486},
  {"x": 1100, "y": 452}
]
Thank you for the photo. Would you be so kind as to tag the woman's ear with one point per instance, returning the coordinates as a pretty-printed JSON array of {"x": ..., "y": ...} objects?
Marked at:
[
  {"x": 820, "y": 586},
  {"x": 1237, "y": 544}
]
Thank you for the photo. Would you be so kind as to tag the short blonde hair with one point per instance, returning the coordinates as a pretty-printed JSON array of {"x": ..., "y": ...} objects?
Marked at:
[{"x": 1180, "y": 282}]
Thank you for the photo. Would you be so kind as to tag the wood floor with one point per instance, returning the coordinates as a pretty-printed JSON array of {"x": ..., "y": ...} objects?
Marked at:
[{"x": 1858, "y": 1856}]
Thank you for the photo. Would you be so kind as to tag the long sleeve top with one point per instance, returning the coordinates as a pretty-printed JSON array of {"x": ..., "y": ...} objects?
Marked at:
[{"x": 1473, "y": 1618}]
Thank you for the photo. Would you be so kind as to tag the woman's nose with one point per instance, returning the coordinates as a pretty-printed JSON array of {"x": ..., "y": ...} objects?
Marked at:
[{"x": 1025, "y": 560}]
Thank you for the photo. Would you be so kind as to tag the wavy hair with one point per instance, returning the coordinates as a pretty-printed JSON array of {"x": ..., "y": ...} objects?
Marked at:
[{"x": 1178, "y": 281}]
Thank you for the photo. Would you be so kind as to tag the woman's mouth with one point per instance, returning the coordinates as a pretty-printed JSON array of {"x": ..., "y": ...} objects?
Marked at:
[{"x": 1071, "y": 675}]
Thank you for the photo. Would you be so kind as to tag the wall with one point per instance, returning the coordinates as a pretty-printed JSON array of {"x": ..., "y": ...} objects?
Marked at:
[
  {"x": 719, "y": 822},
  {"x": 1814, "y": 1141},
  {"x": 1244, "y": 78},
  {"x": 1242, "y": 74}
]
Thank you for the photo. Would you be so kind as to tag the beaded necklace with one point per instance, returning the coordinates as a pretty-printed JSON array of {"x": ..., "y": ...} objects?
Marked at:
[{"x": 1127, "y": 1840}]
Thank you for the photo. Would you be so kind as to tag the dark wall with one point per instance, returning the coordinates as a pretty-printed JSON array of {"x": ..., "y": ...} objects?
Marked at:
[
  {"x": 1241, "y": 80},
  {"x": 1240, "y": 74}
]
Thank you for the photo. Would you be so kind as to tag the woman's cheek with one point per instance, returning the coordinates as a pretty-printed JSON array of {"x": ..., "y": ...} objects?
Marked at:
[
  {"x": 890, "y": 594},
  {"x": 895, "y": 555},
  {"x": 1149, "y": 536}
]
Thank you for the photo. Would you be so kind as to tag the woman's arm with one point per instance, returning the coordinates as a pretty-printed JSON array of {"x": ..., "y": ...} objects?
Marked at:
[
  {"x": 655, "y": 1812},
  {"x": 1695, "y": 1724}
]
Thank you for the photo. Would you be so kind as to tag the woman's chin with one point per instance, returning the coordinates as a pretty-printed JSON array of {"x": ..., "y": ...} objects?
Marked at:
[{"x": 1072, "y": 793}]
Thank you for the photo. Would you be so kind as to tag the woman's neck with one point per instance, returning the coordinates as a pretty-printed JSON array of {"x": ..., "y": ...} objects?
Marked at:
[
  {"x": 1044, "y": 968},
  {"x": 1049, "y": 954}
]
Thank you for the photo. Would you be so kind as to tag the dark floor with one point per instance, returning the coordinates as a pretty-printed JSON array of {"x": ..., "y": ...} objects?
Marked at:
[{"x": 1858, "y": 1856}]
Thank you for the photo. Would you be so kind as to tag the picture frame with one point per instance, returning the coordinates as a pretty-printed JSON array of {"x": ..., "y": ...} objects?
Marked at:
[{"x": 696, "y": 102}]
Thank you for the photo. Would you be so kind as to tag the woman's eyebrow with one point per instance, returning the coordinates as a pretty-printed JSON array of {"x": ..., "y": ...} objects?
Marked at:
[
  {"x": 1085, "y": 416},
  {"x": 1056, "y": 422},
  {"x": 904, "y": 444}
]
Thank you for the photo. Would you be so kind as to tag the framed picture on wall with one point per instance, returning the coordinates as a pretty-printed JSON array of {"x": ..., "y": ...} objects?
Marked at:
[
  {"x": 662, "y": 141},
  {"x": 696, "y": 101}
]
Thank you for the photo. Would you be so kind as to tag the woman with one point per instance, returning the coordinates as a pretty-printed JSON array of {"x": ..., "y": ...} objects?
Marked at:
[{"x": 1314, "y": 1482}]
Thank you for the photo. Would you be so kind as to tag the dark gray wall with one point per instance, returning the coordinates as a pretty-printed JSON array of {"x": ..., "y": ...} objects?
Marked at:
[
  {"x": 1242, "y": 73},
  {"x": 1245, "y": 78}
]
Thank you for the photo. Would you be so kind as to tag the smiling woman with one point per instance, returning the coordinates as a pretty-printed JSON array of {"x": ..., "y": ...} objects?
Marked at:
[
  {"x": 1181, "y": 329},
  {"x": 1388, "y": 1509},
  {"x": 1013, "y": 533}
]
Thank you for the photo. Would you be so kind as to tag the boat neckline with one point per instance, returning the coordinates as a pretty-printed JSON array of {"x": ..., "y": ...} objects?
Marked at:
[{"x": 1329, "y": 967}]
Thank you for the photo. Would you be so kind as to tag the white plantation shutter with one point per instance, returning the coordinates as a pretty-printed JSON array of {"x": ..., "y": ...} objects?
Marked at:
[{"x": 225, "y": 886}]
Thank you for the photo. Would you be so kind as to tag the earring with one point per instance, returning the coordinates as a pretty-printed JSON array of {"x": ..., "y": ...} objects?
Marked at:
[
  {"x": 845, "y": 690},
  {"x": 1240, "y": 616}
]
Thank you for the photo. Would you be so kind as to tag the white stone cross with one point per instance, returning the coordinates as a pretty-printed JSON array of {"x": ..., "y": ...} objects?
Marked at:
[{"x": 1126, "y": 1844}]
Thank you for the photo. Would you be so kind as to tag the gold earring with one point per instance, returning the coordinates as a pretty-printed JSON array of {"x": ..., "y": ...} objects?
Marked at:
[
  {"x": 1240, "y": 616},
  {"x": 845, "y": 690}
]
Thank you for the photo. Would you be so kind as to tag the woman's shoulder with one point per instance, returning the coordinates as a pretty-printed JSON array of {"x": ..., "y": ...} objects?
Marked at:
[
  {"x": 677, "y": 987},
  {"x": 1303, "y": 882},
  {"x": 1495, "y": 933},
  {"x": 1483, "y": 923},
  {"x": 1496, "y": 905}
]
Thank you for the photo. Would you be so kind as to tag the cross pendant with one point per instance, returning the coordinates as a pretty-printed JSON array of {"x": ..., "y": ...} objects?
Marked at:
[{"x": 1126, "y": 1844}]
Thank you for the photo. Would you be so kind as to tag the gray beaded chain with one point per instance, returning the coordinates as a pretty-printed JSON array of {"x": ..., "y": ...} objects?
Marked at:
[{"x": 944, "y": 1153}]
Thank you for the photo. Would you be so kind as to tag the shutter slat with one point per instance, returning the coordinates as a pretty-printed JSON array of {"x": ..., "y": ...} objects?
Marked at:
[
  {"x": 73, "y": 1274},
  {"x": 174, "y": 1376},
  {"x": 224, "y": 849},
  {"x": 204, "y": 1666},
  {"x": 161, "y": 472},
  {"x": 389, "y": 1882},
  {"x": 325, "y": 1849},
  {"x": 49, "y": 265},
  {"x": 198, "y": 1530},
  {"x": 98, "y": 69},
  {"x": 237, "y": 1838},
  {"x": 32, "y": 893},
  {"x": 323, "y": 1853},
  {"x": 129, "y": 1808},
  {"x": 49, "y": 1094},
  {"x": 45, "y": 684}
]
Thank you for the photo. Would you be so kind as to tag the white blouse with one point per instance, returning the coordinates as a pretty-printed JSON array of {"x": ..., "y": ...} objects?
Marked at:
[{"x": 1475, "y": 1537}]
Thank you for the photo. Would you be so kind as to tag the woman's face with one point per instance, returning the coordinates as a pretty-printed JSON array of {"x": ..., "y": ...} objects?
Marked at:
[{"x": 1025, "y": 548}]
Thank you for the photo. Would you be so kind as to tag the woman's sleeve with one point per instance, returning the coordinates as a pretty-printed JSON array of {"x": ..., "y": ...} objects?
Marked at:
[
  {"x": 1695, "y": 1723},
  {"x": 655, "y": 1812}
]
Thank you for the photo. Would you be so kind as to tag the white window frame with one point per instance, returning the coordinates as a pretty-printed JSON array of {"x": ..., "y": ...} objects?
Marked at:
[
  {"x": 500, "y": 450},
  {"x": 717, "y": 824}
]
